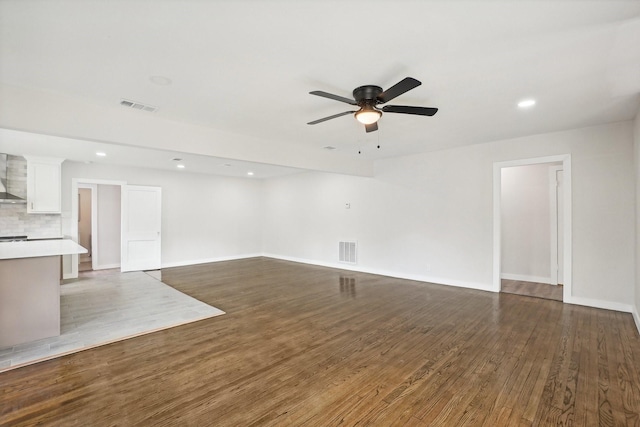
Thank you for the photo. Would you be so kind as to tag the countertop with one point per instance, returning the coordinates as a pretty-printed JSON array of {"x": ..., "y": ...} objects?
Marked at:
[{"x": 39, "y": 248}]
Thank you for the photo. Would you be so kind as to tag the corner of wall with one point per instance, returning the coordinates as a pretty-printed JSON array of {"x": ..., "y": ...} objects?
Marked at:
[{"x": 636, "y": 159}]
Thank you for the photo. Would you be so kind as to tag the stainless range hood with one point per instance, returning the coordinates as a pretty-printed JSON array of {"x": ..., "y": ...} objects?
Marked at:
[{"x": 4, "y": 196}]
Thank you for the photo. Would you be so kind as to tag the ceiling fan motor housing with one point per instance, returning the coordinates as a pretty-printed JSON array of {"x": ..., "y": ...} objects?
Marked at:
[{"x": 367, "y": 95}]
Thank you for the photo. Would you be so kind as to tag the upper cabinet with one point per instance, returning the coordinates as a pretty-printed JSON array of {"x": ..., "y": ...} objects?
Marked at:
[{"x": 44, "y": 185}]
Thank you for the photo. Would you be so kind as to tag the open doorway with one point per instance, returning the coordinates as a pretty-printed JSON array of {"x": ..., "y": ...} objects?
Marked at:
[
  {"x": 530, "y": 221},
  {"x": 532, "y": 227},
  {"x": 96, "y": 210},
  {"x": 86, "y": 224}
]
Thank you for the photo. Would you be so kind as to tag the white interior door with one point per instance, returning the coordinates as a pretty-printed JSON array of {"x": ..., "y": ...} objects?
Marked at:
[{"x": 141, "y": 237}]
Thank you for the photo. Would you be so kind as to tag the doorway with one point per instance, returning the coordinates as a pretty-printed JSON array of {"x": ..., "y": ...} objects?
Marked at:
[
  {"x": 86, "y": 224},
  {"x": 105, "y": 216},
  {"x": 99, "y": 217},
  {"x": 133, "y": 235},
  {"x": 532, "y": 227},
  {"x": 529, "y": 195}
]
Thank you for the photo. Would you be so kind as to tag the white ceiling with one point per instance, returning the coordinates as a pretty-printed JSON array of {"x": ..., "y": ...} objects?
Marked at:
[{"x": 246, "y": 67}]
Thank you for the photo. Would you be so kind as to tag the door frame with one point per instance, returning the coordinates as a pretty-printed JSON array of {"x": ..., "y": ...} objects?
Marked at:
[
  {"x": 553, "y": 204},
  {"x": 565, "y": 159},
  {"x": 94, "y": 221},
  {"x": 75, "y": 183}
]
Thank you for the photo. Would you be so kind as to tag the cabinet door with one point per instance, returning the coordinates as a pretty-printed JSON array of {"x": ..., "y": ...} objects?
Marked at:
[{"x": 43, "y": 187}]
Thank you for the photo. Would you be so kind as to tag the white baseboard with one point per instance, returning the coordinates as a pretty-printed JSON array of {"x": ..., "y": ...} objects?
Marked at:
[
  {"x": 207, "y": 260},
  {"x": 106, "y": 266},
  {"x": 525, "y": 278},
  {"x": 636, "y": 317},
  {"x": 606, "y": 305},
  {"x": 389, "y": 273}
]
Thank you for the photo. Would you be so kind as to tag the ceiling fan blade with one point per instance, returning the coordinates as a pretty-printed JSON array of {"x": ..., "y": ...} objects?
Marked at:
[
  {"x": 334, "y": 97},
  {"x": 398, "y": 89},
  {"x": 330, "y": 117},
  {"x": 404, "y": 109},
  {"x": 372, "y": 127}
]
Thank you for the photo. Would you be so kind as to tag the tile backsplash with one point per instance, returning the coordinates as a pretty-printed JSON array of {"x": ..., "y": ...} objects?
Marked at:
[{"x": 14, "y": 219}]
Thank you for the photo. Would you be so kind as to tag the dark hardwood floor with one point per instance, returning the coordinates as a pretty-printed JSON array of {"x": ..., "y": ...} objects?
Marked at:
[
  {"x": 310, "y": 346},
  {"x": 532, "y": 289}
]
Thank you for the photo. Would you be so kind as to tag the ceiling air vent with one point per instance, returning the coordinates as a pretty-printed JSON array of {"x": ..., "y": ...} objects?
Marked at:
[{"x": 138, "y": 106}]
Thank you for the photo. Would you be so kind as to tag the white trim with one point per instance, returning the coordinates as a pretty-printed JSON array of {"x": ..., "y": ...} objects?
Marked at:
[
  {"x": 497, "y": 235},
  {"x": 606, "y": 305},
  {"x": 106, "y": 266},
  {"x": 567, "y": 268},
  {"x": 75, "y": 182},
  {"x": 94, "y": 222},
  {"x": 208, "y": 260},
  {"x": 388, "y": 273},
  {"x": 636, "y": 317},
  {"x": 497, "y": 224},
  {"x": 525, "y": 278},
  {"x": 553, "y": 214}
]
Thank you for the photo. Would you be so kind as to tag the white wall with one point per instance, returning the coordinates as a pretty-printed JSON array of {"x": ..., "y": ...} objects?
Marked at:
[
  {"x": 526, "y": 223},
  {"x": 429, "y": 216},
  {"x": 204, "y": 218},
  {"x": 109, "y": 213},
  {"x": 636, "y": 146}
]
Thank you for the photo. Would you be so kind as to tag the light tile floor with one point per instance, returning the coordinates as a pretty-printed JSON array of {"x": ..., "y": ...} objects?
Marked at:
[{"x": 103, "y": 308}]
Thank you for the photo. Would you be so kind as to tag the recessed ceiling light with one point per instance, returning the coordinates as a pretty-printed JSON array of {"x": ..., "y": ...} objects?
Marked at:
[
  {"x": 180, "y": 166},
  {"x": 160, "y": 80},
  {"x": 101, "y": 154},
  {"x": 250, "y": 173},
  {"x": 526, "y": 103}
]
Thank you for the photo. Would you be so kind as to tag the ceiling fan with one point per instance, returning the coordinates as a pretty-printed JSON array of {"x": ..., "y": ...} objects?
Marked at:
[{"x": 369, "y": 97}]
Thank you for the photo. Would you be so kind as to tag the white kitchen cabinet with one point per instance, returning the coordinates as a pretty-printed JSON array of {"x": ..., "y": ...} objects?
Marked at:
[{"x": 43, "y": 185}]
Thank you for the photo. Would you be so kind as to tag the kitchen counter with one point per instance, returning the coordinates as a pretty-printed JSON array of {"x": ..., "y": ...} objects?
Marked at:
[
  {"x": 30, "y": 274},
  {"x": 39, "y": 248}
]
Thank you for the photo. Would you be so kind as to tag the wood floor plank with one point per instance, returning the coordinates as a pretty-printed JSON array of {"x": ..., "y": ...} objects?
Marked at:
[
  {"x": 587, "y": 402},
  {"x": 303, "y": 345}
]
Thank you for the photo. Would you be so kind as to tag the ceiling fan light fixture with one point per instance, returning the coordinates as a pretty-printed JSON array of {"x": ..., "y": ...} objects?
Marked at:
[{"x": 368, "y": 115}]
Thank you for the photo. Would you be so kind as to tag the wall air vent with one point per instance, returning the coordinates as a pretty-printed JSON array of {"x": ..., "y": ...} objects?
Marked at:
[
  {"x": 138, "y": 106},
  {"x": 347, "y": 252}
]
